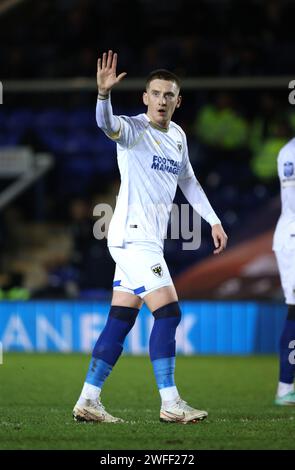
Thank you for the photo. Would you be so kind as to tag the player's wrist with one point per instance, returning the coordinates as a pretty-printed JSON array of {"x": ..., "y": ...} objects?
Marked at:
[{"x": 103, "y": 94}]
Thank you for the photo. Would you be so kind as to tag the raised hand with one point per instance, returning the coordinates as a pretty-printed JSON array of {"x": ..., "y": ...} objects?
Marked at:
[{"x": 107, "y": 74}]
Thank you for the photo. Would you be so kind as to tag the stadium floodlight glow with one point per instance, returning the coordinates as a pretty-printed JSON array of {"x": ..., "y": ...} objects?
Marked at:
[{"x": 1, "y": 93}]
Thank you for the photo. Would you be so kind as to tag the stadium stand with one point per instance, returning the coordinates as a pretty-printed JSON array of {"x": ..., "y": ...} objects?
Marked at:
[
  {"x": 210, "y": 41},
  {"x": 236, "y": 167}
]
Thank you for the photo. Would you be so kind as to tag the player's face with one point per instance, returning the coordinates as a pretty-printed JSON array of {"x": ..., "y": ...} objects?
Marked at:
[{"x": 161, "y": 98}]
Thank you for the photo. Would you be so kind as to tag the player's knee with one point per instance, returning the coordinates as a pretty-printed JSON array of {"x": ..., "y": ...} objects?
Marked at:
[
  {"x": 126, "y": 314},
  {"x": 171, "y": 311}
]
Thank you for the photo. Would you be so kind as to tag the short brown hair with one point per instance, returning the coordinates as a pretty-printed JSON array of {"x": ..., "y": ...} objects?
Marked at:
[{"x": 162, "y": 74}]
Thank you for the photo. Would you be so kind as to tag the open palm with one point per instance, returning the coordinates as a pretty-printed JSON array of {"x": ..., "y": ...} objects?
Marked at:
[{"x": 107, "y": 72}]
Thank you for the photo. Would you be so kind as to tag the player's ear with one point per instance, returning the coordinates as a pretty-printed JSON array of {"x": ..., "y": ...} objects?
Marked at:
[
  {"x": 179, "y": 99},
  {"x": 145, "y": 98}
]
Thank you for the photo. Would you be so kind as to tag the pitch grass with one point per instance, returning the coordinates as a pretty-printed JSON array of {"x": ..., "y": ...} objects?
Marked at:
[{"x": 38, "y": 391}]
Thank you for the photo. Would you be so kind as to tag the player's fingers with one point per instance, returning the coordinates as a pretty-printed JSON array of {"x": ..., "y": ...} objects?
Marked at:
[
  {"x": 220, "y": 244},
  {"x": 114, "y": 63},
  {"x": 121, "y": 76},
  {"x": 104, "y": 60},
  {"x": 225, "y": 241},
  {"x": 216, "y": 240},
  {"x": 110, "y": 59},
  {"x": 218, "y": 250},
  {"x": 99, "y": 64},
  {"x": 216, "y": 244}
]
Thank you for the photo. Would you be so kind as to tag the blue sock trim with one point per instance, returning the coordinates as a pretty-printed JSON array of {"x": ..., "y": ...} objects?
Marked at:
[
  {"x": 98, "y": 371},
  {"x": 168, "y": 310},
  {"x": 164, "y": 372},
  {"x": 127, "y": 314}
]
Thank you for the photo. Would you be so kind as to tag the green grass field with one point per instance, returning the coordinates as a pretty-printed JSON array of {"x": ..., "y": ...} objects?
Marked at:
[{"x": 38, "y": 391}]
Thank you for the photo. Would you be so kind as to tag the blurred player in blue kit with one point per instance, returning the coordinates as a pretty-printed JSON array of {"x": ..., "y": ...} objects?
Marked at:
[
  {"x": 153, "y": 159},
  {"x": 284, "y": 247}
]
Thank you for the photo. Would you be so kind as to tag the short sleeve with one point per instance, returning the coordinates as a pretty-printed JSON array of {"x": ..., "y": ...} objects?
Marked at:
[{"x": 130, "y": 129}]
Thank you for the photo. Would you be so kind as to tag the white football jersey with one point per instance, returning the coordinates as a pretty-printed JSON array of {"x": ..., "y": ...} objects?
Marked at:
[
  {"x": 152, "y": 161},
  {"x": 284, "y": 236}
]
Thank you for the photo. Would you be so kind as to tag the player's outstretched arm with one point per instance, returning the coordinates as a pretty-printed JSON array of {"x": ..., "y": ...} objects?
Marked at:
[
  {"x": 220, "y": 238},
  {"x": 106, "y": 79},
  {"x": 106, "y": 75}
]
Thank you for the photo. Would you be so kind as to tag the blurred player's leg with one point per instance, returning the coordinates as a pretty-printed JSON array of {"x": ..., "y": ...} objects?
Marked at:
[{"x": 285, "y": 392}]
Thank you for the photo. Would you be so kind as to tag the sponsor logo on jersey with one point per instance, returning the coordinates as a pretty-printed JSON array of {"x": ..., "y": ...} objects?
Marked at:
[
  {"x": 157, "y": 270},
  {"x": 167, "y": 165},
  {"x": 288, "y": 169}
]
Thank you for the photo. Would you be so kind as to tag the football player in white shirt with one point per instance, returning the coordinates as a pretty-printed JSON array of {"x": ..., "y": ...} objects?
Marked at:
[
  {"x": 153, "y": 159},
  {"x": 284, "y": 247}
]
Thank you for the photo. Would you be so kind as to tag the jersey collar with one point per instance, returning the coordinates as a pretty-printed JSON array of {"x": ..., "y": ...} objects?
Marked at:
[{"x": 155, "y": 126}]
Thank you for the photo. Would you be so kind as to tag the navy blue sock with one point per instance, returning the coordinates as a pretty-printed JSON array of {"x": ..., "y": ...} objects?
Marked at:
[
  {"x": 286, "y": 368},
  {"x": 109, "y": 345},
  {"x": 162, "y": 343}
]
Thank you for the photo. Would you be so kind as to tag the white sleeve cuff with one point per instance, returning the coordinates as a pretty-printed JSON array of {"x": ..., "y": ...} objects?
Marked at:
[
  {"x": 106, "y": 120},
  {"x": 212, "y": 219}
]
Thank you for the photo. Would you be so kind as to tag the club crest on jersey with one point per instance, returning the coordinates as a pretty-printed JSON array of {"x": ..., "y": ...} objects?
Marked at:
[
  {"x": 157, "y": 270},
  {"x": 179, "y": 146},
  {"x": 288, "y": 169}
]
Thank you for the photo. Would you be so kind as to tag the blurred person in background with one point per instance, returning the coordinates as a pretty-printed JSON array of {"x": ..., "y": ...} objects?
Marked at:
[
  {"x": 153, "y": 158},
  {"x": 269, "y": 132},
  {"x": 12, "y": 286},
  {"x": 221, "y": 125},
  {"x": 284, "y": 248}
]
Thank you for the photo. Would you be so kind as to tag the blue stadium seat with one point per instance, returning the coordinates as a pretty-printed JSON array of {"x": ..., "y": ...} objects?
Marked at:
[
  {"x": 75, "y": 174},
  {"x": 78, "y": 141},
  {"x": 248, "y": 200},
  {"x": 79, "y": 164},
  {"x": 95, "y": 294},
  {"x": 3, "y": 119},
  {"x": 229, "y": 194},
  {"x": 50, "y": 118},
  {"x": 230, "y": 219},
  {"x": 19, "y": 119},
  {"x": 82, "y": 118},
  {"x": 9, "y": 139},
  {"x": 105, "y": 163},
  {"x": 53, "y": 140}
]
